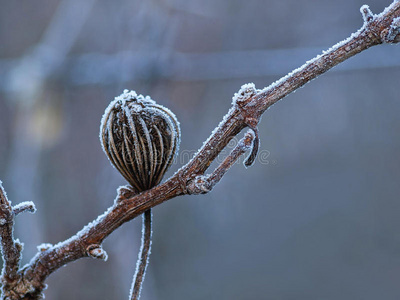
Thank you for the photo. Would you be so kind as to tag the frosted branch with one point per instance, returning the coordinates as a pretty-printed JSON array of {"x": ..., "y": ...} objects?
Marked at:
[{"x": 247, "y": 108}]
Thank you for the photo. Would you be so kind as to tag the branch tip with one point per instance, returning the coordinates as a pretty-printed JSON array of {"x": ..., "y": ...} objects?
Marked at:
[
  {"x": 367, "y": 14},
  {"x": 27, "y": 206},
  {"x": 253, "y": 140}
]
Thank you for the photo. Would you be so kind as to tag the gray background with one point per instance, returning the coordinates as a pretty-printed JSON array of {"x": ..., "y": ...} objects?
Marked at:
[{"x": 317, "y": 217}]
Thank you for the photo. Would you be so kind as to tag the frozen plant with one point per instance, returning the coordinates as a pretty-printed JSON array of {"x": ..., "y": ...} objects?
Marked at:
[{"x": 247, "y": 108}]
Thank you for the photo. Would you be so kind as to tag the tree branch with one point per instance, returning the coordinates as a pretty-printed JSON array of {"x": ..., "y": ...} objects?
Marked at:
[{"x": 247, "y": 107}]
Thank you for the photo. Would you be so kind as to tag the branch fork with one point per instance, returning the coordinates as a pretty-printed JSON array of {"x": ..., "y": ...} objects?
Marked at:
[{"x": 203, "y": 184}]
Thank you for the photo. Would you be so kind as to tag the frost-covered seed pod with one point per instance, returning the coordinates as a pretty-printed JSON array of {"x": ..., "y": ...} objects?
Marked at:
[{"x": 140, "y": 138}]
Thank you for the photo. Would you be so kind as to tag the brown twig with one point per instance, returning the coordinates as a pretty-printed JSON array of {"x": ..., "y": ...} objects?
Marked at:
[{"x": 247, "y": 107}]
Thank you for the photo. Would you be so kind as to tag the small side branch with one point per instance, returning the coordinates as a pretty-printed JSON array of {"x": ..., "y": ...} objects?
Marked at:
[
  {"x": 204, "y": 183},
  {"x": 27, "y": 206},
  {"x": 143, "y": 258}
]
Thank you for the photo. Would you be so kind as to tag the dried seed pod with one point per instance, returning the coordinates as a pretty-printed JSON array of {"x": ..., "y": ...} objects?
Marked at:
[{"x": 140, "y": 138}]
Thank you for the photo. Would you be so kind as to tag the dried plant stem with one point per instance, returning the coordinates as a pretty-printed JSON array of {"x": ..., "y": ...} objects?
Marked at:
[
  {"x": 143, "y": 257},
  {"x": 248, "y": 106}
]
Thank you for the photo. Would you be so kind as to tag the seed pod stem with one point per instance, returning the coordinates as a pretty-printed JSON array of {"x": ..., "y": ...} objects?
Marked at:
[{"x": 143, "y": 257}]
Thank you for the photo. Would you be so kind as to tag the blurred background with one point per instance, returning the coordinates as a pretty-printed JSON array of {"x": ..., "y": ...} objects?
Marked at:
[{"x": 317, "y": 217}]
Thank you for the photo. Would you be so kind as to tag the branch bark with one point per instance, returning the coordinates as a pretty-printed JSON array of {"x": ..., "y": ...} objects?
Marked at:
[{"x": 248, "y": 105}]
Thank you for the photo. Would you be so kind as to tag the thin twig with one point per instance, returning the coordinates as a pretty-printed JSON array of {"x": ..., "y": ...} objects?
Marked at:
[
  {"x": 204, "y": 183},
  {"x": 27, "y": 206},
  {"x": 248, "y": 106},
  {"x": 143, "y": 257}
]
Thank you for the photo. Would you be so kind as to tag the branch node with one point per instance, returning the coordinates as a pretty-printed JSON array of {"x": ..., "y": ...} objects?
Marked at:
[
  {"x": 19, "y": 245},
  {"x": 27, "y": 206},
  {"x": 183, "y": 183},
  {"x": 392, "y": 34},
  {"x": 246, "y": 92},
  {"x": 367, "y": 14},
  {"x": 199, "y": 185},
  {"x": 96, "y": 251},
  {"x": 124, "y": 193},
  {"x": 242, "y": 100},
  {"x": 6, "y": 215}
]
